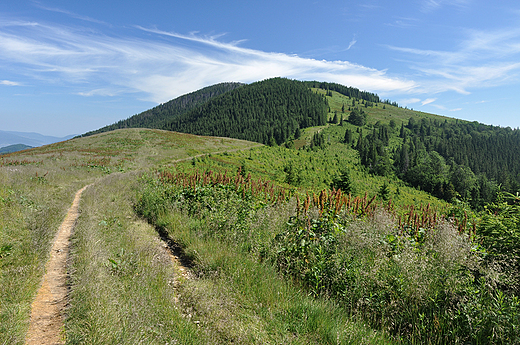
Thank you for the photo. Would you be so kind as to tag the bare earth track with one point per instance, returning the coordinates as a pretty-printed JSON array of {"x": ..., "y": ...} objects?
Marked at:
[
  {"x": 47, "y": 310},
  {"x": 46, "y": 323}
]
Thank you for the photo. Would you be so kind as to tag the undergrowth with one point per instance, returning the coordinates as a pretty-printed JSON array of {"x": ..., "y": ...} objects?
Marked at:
[{"x": 411, "y": 275}]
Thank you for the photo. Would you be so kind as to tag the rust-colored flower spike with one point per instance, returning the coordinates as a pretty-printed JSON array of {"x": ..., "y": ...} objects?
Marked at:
[{"x": 306, "y": 204}]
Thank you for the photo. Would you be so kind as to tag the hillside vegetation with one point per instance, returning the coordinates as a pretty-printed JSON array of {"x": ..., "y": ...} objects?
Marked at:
[
  {"x": 448, "y": 158},
  {"x": 157, "y": 116},
  {"x": 13, "y": 148},
  {"x": 327, "y": 236},
  {"x": 269, "y": 112}
]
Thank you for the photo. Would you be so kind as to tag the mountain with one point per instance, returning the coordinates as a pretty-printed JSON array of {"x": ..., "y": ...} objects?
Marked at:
[
  {"x": 155, "y": 117},
  {"x": 448, "y": 158},
  {"x": 28, "y": 138},
  {"x": 269, "y": 111},
  {"x": 14, "y": 148}
]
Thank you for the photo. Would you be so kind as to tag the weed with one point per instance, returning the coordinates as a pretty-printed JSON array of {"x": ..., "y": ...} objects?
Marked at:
[
  {"x": 411, "y": 274},
  {"x": 5, "y": 250}
]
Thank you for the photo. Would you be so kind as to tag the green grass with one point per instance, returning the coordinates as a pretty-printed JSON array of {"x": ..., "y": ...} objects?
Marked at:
[
  {"x": 238, "y": 299},
  {"x": 37, "y": 187},
  {"x": 376, "y": 113},
  {"x": 122, "y": 286},
  {"x": 31, "y": 211},
  {"x": 121, "y": 289},
  {"x": 423, "y": 283},
  {"x": 316, "y": 169}
]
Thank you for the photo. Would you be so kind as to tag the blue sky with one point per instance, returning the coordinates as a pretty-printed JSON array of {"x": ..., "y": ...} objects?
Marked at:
[{"x": 67, "y": 67}]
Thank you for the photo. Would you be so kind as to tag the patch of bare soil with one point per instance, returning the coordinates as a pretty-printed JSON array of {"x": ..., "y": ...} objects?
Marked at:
[{"x": 47, "y": 309}]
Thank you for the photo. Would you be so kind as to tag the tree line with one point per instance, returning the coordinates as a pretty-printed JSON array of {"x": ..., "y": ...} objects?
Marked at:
[
  {"x": 351, "y": 92},
  {"x": 157, "y": 116},
  {"x": 269, "y": 112},
  {"x": 469, "y": 161}
]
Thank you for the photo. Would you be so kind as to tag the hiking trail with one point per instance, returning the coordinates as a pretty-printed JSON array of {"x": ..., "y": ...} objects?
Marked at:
[{"x": 46, "y": 325}]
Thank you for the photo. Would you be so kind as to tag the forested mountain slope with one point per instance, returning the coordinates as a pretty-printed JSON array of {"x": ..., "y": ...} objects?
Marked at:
[
  {"x": 448, "y": 158},
  {"x": 269, "y": 111},
  {"x": 155, "y": 117}
]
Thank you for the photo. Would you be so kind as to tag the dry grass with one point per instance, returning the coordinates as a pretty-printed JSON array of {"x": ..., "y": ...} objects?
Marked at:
[{"x": 37, "y": 187}]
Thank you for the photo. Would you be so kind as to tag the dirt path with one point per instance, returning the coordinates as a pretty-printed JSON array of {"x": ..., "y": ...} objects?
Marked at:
[
  {"x": 46, "y": 325},
  {"x": 47, "y": 309}
]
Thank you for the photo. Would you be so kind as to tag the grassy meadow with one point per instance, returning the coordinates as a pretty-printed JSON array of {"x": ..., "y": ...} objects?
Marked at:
[
  {"x": 37, "y": 187},
  {"x": 274, "y": 254}
]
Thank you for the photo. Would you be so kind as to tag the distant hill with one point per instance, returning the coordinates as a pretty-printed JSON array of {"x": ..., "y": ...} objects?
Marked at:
[
  {"x": 157, "y": 116},
  {"x": 14, "y": 148},
  {"x": 28, "y": 138},
  {"x": 254, "y": 112},
  {"x": 269, "y": 112},
  {"x": 448, "y": 158}
]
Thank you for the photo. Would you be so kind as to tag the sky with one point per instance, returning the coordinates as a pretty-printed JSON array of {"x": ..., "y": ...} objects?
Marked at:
[{"x": 68, "y": 67}]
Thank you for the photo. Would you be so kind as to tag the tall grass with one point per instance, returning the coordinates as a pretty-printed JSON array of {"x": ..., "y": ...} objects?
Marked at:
[
  {"x": 34, "y": 199},
  {"x": 235, "y": 292},
  {"x": 122, "y": 277},
  {"x": 37, "y": 187},
  {"x": 415, "y": 277}
]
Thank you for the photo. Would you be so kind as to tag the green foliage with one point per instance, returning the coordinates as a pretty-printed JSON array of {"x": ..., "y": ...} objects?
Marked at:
[
  {"x": 348, "y": 138},
  {"x": 242, "y": 225},
  {"x": 318, "y": 141},
  {"x": 343, "y": 182},
  {"x": 344, "y": 90},
  {"x": 272, "y": 108},
  {"x": 479, "y": 157},
  {"x": 357, "y": 117},
  {"x": 5, "y": 250},
  {"x": 499, "y": 233},
  {"x": 373, "y": 153},
  {"x": 384, "y": 192},
  {"x": 420, "y": 283},
  {"x": 157, "y": 116},
  {"x": 293, "y": 175},
  {"x": 13, "y": 148}
]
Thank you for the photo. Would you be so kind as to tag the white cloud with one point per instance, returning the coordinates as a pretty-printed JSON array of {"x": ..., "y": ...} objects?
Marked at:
[
  {"x": 9, "y": 83},
  {"x": 483, "y": 59},
  {"x": 428, "y": 101},
  {"x": 430, "y": 5},
  {"x": 456, "y": 109},
  {"x": 165, "y": 65},
  {"x": 351, "y": 44},
  {"x": 98, "y": 92},
  {"x": 409, "y": 101},
  {"x": 441, "y": 107}
]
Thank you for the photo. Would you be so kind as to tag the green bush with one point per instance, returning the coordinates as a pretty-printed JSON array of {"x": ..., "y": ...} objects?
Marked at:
[{"x": 421, "y": 284}]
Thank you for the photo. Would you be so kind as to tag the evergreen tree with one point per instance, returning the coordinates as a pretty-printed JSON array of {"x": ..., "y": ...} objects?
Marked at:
[
  {"x": 347, "y": 139},
  {"x": 343, "y": 182},
  {"x": 297, "y": 133},
  {"x": 335, "y": 119},
  {"x": 357, "y": 117},
  {"x": 384, "y": 191}
]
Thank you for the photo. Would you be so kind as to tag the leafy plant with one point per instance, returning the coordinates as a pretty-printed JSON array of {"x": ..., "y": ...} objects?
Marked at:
[{"x": 5, "y": 250}]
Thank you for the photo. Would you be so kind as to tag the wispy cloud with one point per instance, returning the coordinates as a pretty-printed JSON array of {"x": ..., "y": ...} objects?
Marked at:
[
  {"x": 9, "y": 83},
  {"x": 431, "y": 5},
  {"x": 351, "y": 44},
  {"x": 163, "y": 66},
  {"x": 483, "y": 59},
  {"x": 428, "y": 101},
  {"x": 438, "y": 106},
  {"x": 409, "y": 101},
  {"x": 68, "y": 13}
]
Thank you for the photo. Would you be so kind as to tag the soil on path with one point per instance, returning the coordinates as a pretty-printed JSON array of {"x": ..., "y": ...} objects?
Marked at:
[{"x": 47, "y": 309}]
